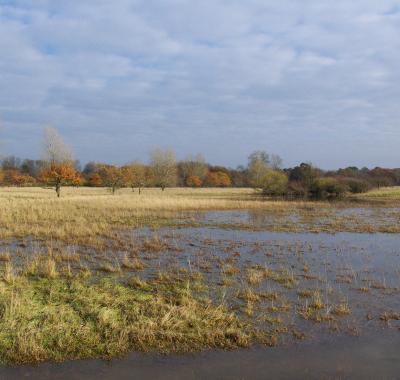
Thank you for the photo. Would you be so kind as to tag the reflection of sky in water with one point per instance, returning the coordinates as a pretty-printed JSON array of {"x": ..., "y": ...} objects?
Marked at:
[{"x": 262, "y": 218}]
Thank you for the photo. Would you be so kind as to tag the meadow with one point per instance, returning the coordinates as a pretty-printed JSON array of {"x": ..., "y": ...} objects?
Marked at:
[{"x": 96, "y": 275}]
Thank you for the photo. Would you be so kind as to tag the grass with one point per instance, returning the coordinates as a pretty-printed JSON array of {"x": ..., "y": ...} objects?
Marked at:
[
  {"x": 100, "y": 289},
  {"x": 59, "y": 319},
  {"x": 87, "y": 215},
  {"x": 384, "y": 193}
]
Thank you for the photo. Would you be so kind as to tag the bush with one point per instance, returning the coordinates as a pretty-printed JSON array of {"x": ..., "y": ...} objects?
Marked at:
[
  {"x": 296, "y": 189},
  {"x": 328, "y": 188},
  {"x": 356, "y": 186},
  {"x": 274, "y": 183}
]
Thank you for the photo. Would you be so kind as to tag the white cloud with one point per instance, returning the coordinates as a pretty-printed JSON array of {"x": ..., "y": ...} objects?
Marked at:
[{"x": 294, "y": 77}]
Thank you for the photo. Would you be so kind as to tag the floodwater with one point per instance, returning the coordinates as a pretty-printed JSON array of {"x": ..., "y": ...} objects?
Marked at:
[
  {"x": 362, "y": 270},
  {"x": 374, "y": 357}
]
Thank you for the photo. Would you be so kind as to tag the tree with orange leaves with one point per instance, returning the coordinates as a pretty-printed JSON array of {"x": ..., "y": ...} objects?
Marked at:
[
  {"x": 95, "y": 180},
  {"x": 60, "y": 174},
  {"x": 59, "y": 169},
  {"x": 218, "y": 179},
  {"x": 14, "y": 177},
  {"x": 111, "y": 177},
  {"x": 194, "y": 181}
]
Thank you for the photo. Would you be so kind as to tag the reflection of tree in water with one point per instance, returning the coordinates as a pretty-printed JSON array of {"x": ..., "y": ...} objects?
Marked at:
[
  {"x": 259, "y": 218},
  {"x": 263, "y": 218}
]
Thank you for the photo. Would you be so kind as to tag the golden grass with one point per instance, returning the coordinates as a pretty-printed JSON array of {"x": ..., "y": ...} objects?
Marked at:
[
  {"x": 88, "y": 215},
  {"x": 85, "y": 213},
  {"x": 384, "y": 193}
]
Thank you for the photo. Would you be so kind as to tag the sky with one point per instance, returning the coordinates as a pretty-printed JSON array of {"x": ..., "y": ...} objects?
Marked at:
[{"x": 310, "y": 80}]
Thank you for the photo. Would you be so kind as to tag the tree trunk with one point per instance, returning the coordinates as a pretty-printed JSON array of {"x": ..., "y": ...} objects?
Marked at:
[
  {"x": 58, "y": 190},
  {"x": 162, "y": 188},
  {"x": 140, "y": 190}
]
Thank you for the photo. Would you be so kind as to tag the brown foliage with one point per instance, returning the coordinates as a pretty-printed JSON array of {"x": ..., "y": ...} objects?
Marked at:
[
  {"x": 217, "y": 179},
  {"x": 194, "y": 181},
  {"x": 95, "y": 180},
  {"x": 59, "y": 174},
  {"x": 134, "y": 175},
  {"x": 14, "y": 177},
  {"x": 111, "y": 176}
]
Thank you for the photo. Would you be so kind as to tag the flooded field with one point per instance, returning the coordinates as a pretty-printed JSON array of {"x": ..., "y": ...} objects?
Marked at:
[
  {"x": 326, "y": 304},
  {"x": 363, "y": 358}
]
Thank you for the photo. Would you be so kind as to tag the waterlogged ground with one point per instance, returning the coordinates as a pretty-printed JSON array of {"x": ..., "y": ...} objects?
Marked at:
[
  {"x": 362, "y": 358},
  {"x": 308, "y": 219},
  {"x": 329, "y": 302}
]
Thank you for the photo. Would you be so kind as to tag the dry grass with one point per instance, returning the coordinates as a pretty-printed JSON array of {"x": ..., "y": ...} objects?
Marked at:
[
  {"x": 384, "y": 193},
  {"x": 85, "y": 213}
]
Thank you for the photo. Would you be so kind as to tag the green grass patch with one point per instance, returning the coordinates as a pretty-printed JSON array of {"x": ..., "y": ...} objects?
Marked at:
[{"x": 60, "y": 319}]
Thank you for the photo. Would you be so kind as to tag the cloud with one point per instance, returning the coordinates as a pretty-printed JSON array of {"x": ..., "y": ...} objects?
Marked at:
[{"x": 315, "y": 80}]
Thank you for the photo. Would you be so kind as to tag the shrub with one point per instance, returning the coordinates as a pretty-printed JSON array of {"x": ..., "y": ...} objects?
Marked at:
[
  {"x": 274, "y": 183},
  {"x": 328, "y": 188},
  {"x": 296, "y": 189},
  {"x": 356, "y": 186}
]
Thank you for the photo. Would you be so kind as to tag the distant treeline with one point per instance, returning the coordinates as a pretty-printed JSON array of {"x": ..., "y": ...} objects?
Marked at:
[{"x": 262, "y": 172}]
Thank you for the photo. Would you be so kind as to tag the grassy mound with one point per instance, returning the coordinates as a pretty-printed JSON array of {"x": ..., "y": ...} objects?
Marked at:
[{"x": 60, "y": 318}]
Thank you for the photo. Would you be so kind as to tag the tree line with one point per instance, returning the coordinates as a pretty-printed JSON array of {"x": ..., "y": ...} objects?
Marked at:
[{"x": 264, "y": 172}]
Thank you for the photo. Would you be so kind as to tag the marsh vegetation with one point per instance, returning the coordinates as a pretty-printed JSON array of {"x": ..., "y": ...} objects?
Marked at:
[{"x": 98, "y": 275}]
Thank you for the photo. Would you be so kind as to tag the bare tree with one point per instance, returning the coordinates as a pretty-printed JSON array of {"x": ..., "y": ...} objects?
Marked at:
[
  {"x": 55, "y": 150},
  {"x": 276, "y": 161},
  {"x": 163, "y": 167},
  {"x": 193, "y": 166}
]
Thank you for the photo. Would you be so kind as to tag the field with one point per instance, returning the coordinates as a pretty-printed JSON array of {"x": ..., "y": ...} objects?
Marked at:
[{"x": 95, "y": 275}]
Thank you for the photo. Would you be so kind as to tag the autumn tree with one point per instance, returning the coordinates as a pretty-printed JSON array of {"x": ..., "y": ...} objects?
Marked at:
[
  {"x": 59, "y": 169},
  {"x": 194, "y": 181},
  {"x": 217, "y": 179},
  {"x": 111, "y": 177},
  {"x": 163, "y": 168},
  {"x": 135, "y": 175},
  {"x": 15, "y": 177},
  {"x": 94, "y": 180}
]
